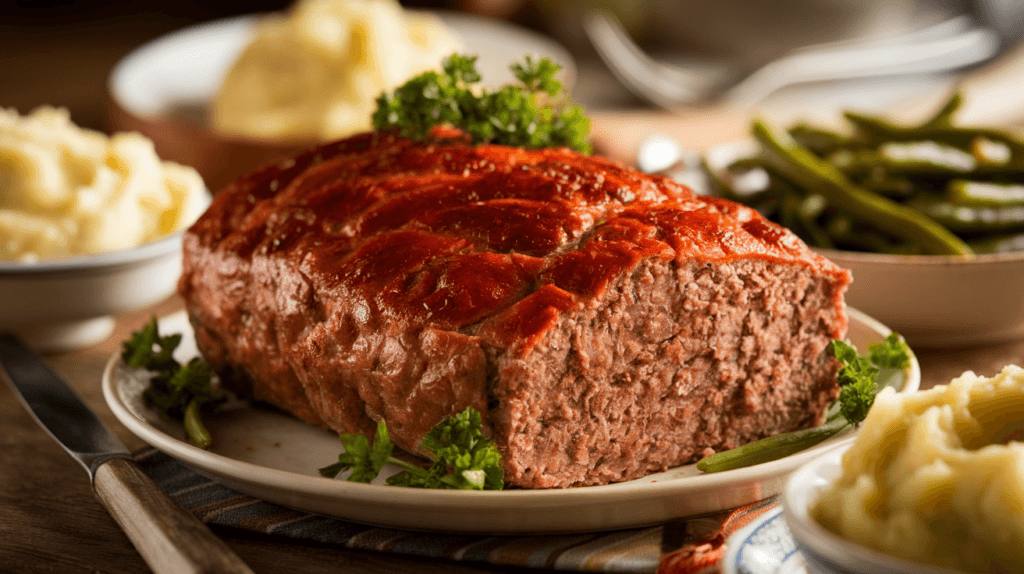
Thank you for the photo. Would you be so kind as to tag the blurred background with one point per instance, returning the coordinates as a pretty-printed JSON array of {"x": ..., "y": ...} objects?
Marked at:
[{"x": 60, "y": 52}]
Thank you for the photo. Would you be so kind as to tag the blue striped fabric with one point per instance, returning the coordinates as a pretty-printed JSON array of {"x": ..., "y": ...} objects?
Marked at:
[{"x": 636, "y": 551}]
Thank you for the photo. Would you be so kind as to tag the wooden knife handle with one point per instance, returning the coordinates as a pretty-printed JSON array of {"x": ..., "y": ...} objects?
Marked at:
[{"x": 168, "y": 536}]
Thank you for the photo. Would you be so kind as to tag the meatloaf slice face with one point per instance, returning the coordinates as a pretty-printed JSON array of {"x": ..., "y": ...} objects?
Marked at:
[{"x": 606, "y": 323}]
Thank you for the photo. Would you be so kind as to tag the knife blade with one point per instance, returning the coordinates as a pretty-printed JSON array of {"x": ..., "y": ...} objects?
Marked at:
[{"x": 169, "y": 537}]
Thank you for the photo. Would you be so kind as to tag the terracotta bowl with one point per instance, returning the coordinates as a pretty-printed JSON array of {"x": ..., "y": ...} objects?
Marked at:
[{"x": 162, "y": 89}]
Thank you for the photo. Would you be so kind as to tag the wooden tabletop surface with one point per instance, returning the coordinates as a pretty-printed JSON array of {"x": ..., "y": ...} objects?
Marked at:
[
  {"x": 52, "y": 523},
  {"x": 49, "y": 520}
]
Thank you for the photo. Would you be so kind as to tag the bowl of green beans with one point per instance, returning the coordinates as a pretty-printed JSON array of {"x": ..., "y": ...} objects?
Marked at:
[{"x": 928, "y": 217}]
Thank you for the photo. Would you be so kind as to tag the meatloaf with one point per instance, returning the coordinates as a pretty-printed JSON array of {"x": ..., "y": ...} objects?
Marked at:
[{"x": 606, "y": 323}]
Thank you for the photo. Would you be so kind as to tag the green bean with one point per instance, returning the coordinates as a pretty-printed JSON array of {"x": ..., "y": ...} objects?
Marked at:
[
  {"x": 944, "y": 115},
  {"x": 815, "y": 234},
  {"x": 845, "y": 233},
  {"x": 999, "y": 243},
  {"x": 789, "y": 205},
  {"x": 771, "y": 448},
  {"x": 194, "y": 428},
  {"x": 808, "y": 210},
  {"x": 961, "y": 219},
  {"x": 984, "y": 193},
  {"x": 856, "y": 162},
  {"x": 776, "y": 181},
  {"x": 812, "y": 206},
  {"x": 752, "y": 162},
  {"x": 806, "y": 169},
  {"x": 892, "y": 186},
  {"x": 834, "y": 412},
  {"x": 938, "y": 128},
  {"x": 876, "y": 130},
  {"x": 918, "y": 189},
  {"x": 820, "y": 141},
  {"x": 906, "y": 159}
]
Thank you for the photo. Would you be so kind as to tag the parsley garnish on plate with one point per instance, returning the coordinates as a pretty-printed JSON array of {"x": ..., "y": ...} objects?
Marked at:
[
  {"x": 860, "y": 378},
  {"x": 534, "y": 114},
  {"x": 463, "y": 458},
  {"x": 179, "y": 391}
]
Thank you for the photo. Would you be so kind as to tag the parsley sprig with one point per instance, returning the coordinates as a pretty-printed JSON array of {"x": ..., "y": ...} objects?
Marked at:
[
  {"x": 510, "y": 115},
  {"x": 181, "y": 392},
  {"x": 860, "y": 378},
  {"x": 463, "y": 459}
]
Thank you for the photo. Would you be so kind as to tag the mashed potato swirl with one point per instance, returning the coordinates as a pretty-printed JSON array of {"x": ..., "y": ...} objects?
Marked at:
[
  {"x": 316, "y": 73},
  {"x": 67, "y": 191},
  {"x": 938, "y": 476}
]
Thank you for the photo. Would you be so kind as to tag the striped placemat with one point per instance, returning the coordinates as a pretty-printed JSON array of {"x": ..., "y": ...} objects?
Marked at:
[{"x": 687, "y": 546}]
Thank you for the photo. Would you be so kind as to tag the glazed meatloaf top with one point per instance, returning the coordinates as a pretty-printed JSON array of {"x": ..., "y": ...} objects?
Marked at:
[{"x": 416, "y": 260}]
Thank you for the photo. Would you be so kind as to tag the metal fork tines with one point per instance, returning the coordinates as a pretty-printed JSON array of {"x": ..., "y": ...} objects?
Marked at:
[{"x": 953, "y": 44}]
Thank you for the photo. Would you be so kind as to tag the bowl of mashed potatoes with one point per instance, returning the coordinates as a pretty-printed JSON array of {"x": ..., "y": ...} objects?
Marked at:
[
  {"x": 227, "y": 95},
  {"x": 90, "y": 226},
  {"x": 933, "y": 483}
]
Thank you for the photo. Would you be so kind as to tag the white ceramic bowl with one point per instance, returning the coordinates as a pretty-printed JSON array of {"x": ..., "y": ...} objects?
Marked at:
[
  {"x": 68, "y": 303},
  {"x": 163, "y": 88},
  {"x": 824, "y": 551},
  {"x": 935, "y": 300}
]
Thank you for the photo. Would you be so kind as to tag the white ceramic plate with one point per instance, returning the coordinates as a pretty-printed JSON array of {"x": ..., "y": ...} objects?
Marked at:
[
  {"x": 275, "y": 457},
  {"x": 184, "y": 69}
]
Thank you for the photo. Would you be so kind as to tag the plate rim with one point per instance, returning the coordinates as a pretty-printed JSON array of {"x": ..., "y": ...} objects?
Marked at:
[{"x": 548, "y": 500}]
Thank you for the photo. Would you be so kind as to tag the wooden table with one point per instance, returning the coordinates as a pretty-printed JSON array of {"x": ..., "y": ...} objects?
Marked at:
[{"x": 52, "y": 523}]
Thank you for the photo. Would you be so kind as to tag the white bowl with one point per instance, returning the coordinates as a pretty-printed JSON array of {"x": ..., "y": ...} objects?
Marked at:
[
  {"x": 824, "y": 551},
  {"x": 935, "y": 300},
  {"x": 68, "y": 303}
]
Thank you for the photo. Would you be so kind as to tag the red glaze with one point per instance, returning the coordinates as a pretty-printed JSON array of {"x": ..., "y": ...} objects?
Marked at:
[{"x": 492, "y": 241}]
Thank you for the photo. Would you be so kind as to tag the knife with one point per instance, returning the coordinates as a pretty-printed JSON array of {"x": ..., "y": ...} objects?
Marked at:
[{"x": 169, "y": 537}]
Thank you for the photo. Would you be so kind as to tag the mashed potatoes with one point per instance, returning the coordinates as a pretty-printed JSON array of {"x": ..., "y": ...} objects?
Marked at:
[
  {"x": 68, "y": 191},
  {"x": 316, "y": 74},
  {"x": 938, "y": 476}
]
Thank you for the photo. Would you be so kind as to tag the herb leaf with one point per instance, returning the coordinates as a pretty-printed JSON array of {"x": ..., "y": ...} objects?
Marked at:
[
  {"x": 857, "y": 382},
  {"x": 510, "y": 115},
  {"x": 470, "y": 458},
  {"x": 365, "y": 460},
  {"x": 890, "y": 354},
  {"x": 146, "y": 349},
  {"x": 538, "y": 75},
  {"x": 179, "y": 391},
  {"x": 463, "y": 458}
]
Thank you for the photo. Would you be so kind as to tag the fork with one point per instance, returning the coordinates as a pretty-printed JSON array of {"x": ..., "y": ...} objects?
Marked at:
[{"x": 955, "y": 43}]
